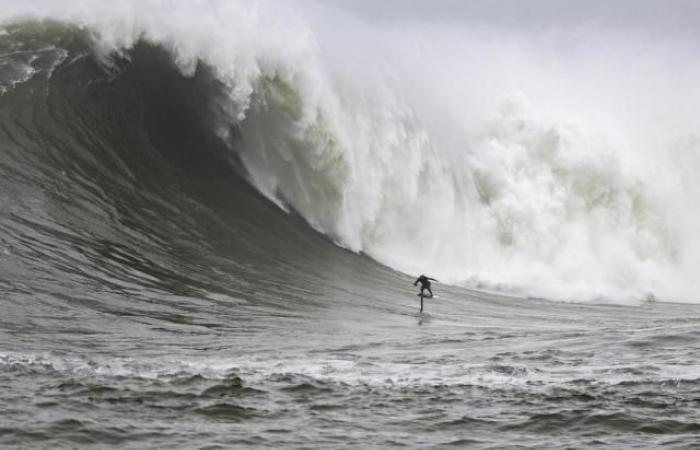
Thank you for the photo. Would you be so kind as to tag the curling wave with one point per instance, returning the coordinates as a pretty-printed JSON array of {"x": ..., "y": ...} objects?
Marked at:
[{"x": 490, "y": 172}]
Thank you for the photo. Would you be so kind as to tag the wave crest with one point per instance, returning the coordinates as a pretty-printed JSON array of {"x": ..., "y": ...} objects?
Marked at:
[{"x": 384, "y": 162}]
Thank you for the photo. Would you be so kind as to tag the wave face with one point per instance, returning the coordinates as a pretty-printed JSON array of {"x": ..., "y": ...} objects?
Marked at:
[{"x": 489, "y": 158}]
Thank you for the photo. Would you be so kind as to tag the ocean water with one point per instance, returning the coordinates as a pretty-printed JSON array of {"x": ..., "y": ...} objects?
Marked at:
[{"x": 212, "y": 214}]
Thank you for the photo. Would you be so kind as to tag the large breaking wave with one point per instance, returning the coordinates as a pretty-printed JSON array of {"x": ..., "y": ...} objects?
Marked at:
[{"x": 528, "y": 163}]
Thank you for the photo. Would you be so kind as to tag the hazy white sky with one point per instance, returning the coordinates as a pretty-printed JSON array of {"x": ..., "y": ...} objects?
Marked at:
[
  {"x": 665, "y": 16},
  {"x": 672, "y": 16}
]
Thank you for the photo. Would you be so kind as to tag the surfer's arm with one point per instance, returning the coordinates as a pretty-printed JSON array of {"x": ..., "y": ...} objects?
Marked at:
[{"x": 433, "y": 279}]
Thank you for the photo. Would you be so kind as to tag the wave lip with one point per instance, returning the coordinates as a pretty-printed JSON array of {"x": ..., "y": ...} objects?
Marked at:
[{"x": 526, "y": 197}]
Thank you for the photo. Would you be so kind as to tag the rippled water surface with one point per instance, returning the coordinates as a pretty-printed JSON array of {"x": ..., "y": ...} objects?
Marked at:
[{"x": 473, "y": 371}]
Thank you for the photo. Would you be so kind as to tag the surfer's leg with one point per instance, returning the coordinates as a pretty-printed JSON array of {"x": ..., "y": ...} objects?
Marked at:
[{"x": 431, "y": 292}]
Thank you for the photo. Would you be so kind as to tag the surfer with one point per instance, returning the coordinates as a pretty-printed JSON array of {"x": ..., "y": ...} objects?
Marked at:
[{"x": 424, "y": 284}]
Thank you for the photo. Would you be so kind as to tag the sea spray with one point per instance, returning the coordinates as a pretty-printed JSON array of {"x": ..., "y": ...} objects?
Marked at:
[{"x": 487, "y": 157}]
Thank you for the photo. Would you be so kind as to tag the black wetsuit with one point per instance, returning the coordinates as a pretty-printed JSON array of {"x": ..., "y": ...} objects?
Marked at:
[{"x": 424, "y": 284}]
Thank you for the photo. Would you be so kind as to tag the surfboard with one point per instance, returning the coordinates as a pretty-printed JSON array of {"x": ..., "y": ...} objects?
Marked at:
[{"x": 428, "y": 296}]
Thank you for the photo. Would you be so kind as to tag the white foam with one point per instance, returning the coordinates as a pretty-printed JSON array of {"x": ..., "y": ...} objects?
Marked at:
[
  {"x": 261, "y": 371},
  {"x": 560, "y": 165}
]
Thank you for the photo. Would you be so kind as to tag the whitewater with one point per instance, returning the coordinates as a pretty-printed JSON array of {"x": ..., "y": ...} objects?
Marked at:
[
  {"x": 492, "y": 159},
  {"x": 212, "y": 214}
]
